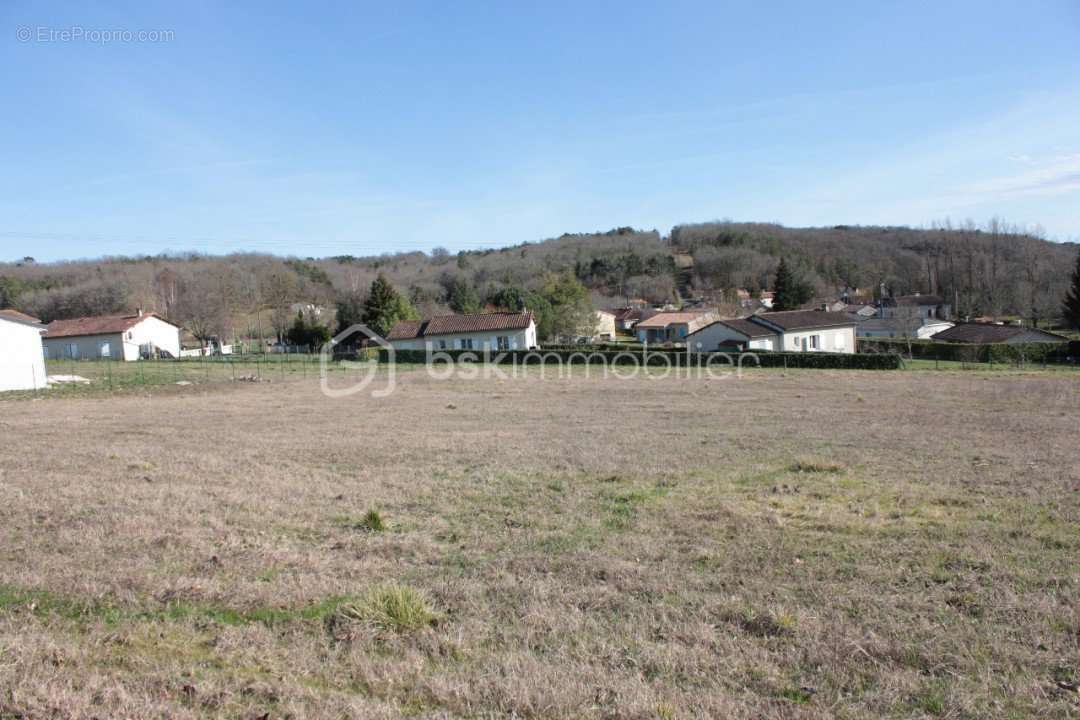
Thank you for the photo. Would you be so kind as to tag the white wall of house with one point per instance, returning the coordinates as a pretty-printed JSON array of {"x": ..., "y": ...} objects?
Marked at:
[
  {"x": 832, "y": 339},
  {"x": 514, "y": 340},
  {"x": 22, "y": 361},
  {"x": 156, "y": 332}
]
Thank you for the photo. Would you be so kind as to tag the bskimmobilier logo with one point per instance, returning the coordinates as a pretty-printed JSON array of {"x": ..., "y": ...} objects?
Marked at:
[
  {"x": 368, "y": 369},
  {"x": 486, "y": 364}
]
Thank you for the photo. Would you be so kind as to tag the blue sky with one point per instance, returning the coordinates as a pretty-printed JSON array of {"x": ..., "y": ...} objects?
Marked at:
[{"x": 322, "y": 129}]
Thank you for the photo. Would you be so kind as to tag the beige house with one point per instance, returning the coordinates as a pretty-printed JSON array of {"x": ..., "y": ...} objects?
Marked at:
[{"x": 116, "y": 337}]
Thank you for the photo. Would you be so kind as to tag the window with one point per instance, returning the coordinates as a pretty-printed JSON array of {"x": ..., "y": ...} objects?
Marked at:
[
  {"x": 502, "y": 342},
  {"x": 73, "y": 350},
  {"x": 442, "y": 344},
  {"x": 815, "y": 342},
  {"x": 105, "y": 349},
  {"x": 466, "y": 343}
]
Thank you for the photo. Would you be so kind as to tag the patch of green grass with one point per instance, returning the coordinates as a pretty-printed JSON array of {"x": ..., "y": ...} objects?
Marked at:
[
  {"x": 623, "y": 508},
  {"x": 796, "y": 695},
  {"x": 43, "y": 603},
  {"x": 930, "y": 699},
  {"x": 815, "y": 465}
]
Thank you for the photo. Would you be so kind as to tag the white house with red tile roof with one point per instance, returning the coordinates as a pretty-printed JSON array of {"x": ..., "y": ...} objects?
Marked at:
[
  {"x": 117, "y": 337},
  {"x": 22, "y": 361},
  {"x": 495, "y": 331}
]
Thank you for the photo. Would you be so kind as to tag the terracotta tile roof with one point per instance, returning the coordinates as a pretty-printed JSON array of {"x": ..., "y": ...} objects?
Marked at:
[
  {"x": 981, "y": 334},
  {"x": 662, "y": 320},
  {"x": 18, "y": 316},
  {"x": 454, "y": 324},
  {"x": 803, "y": 319},
  {"x": 405, "y": 330},
  {"x": 104, "y": 325}
]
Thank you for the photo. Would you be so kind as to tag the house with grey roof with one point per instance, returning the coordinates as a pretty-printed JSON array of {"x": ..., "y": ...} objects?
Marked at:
[
  {"x": 990, "y": 333},
  {"x": 792, "y": 331}
]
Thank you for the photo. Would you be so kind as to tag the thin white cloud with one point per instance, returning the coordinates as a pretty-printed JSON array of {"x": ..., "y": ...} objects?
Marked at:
[{"x": 1054, "y": 176}]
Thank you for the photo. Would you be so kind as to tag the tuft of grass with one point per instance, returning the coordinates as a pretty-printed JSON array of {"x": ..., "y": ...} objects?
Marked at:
[
  {"x": 814, "y": 465},
  {"x": 371, "y": 521},
  {"x": 762, "y": 624},
  {"x": 391, "y": 607}
]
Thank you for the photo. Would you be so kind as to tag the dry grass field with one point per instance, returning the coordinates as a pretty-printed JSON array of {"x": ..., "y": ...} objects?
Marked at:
[{"x": 807, "y": 544}]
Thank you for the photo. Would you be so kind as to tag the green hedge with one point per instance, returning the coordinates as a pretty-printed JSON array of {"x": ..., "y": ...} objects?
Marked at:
[
  {"x": 1004, "y": 353},
  {"x": 660, "y": 358}
]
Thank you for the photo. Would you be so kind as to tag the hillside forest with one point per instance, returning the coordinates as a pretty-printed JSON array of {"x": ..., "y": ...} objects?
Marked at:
[{"x": 992, "y": 270}]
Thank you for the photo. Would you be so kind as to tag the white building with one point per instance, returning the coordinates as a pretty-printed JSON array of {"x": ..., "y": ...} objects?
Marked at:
[
  {"x": 790, "y": 331},
  {"x": 494, "y": 331},
  {"x": 605, "y": 325},
  {"x": 117, "y": 337},
  {"x": 22, "y": 360}
]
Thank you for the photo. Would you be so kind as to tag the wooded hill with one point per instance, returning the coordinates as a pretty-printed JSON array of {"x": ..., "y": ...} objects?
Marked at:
[{"x": 991, "y": 270}]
